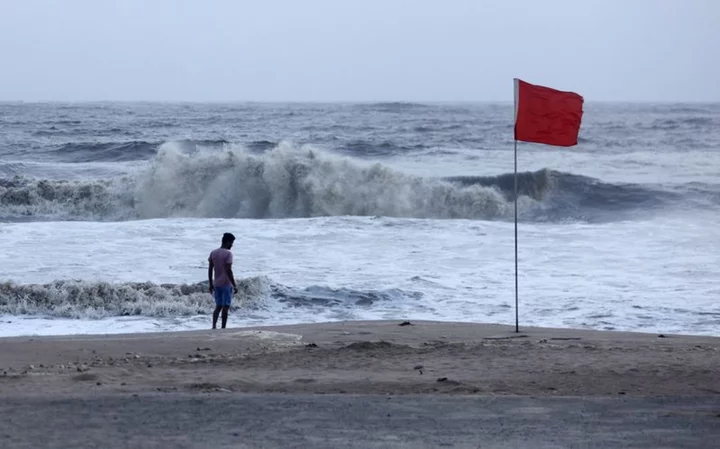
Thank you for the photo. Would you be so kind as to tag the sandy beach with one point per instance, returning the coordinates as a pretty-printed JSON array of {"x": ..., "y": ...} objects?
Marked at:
[
  {"x": 382, "y": 384},
  {"x": 384, "y": 357}
]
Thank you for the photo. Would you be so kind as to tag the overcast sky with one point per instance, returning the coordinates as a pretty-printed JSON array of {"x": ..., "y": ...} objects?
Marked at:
[{"x": 357, "y": 50}]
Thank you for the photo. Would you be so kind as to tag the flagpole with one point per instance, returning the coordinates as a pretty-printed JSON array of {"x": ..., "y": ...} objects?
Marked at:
[
  {"x": 517, "y": 325},
  {"x": 543, "y": 109},
  {"x": 517, "y": 320}
]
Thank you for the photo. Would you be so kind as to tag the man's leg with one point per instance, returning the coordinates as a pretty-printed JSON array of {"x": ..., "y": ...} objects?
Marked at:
[
  {"x": 216, "y": 314},
  {"x": 225, "y": 310}
]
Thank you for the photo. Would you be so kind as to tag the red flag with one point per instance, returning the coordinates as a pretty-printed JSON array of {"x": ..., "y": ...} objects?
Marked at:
[{"x": 545, "y": 115}]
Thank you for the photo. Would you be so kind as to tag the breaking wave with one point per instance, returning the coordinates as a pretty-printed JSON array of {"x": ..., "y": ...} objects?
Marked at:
[
  {"x": 296, "y": 182},
  {"x": 91, "y": 300},
  {"x": 94, "y": 300}
]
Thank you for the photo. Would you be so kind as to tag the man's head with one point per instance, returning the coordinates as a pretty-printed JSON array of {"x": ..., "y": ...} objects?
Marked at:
[{"x": 228, "y": 240}]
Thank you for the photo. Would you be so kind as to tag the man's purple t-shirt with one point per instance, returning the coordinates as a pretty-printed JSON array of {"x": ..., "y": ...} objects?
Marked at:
[{"x": 220, "y": 257}]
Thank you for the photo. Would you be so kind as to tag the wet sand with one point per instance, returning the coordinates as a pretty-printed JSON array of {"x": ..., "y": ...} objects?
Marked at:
[{"x": 382, "y": 357}]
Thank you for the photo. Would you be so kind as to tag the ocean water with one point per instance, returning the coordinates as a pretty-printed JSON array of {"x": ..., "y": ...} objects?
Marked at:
[{"x": 108, "y": 212}]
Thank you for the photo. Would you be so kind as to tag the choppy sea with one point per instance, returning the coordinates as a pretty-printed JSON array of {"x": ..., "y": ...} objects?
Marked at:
[{"x": 108, "y": 212}]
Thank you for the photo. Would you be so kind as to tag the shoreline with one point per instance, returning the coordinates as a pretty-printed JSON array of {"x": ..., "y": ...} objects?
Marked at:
[
  {"x": 205, "y": 328},
  {"x": 485, "y": 330},
  {"x": 364, "y": 357}
]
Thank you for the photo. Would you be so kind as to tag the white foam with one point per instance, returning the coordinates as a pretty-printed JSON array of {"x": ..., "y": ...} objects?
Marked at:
[
  {"x": 649, "y": 276},
  {"x": 289, "y": 181}
]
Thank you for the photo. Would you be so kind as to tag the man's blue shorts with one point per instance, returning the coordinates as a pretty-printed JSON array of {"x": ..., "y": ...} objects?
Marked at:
[{"x": 223, "y": 295}]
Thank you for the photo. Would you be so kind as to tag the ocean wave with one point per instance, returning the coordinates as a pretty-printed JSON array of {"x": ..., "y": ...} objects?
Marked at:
[
  {"x": 261, "y": 145},
  {"x": 66, "y": 200},
  {"x": 297, "y": 182},
  {"x": 287, "y": 182},
  {"x": 94, "y": 300},
  {"x": 106, "y": 151},
  {"x": 669, "y": 124},
  {"x": 571, "y": 195},
  {"x": 394, "y": 106},
  {"x": 362, "y": 148},
  {"x": 122, "y": 151},
  {"x": 323, "y": 296},
  {"x": 74, "y": 131}
]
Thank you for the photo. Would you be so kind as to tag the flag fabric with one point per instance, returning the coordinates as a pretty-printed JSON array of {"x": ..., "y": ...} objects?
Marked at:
[{"x": 545, "y": 115}]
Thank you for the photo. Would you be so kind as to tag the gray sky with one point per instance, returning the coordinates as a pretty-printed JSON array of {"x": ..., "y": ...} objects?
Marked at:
[{"x": 357, "y": 50}]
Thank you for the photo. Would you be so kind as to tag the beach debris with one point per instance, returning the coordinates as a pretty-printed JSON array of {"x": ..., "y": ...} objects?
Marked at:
[
  {"x": 406, "y": 323},
  {"x": 435, "y": 343},
  {"x": 370, "y": 345},
  {"x": 543, "y": 340},
  {"x": 207, "y": 388},
  {"x": 85, "y": 377},
  {"x": 418, "y": 367},
  {"x": 662, "y": 336},
  {"x": 303, "y": 380},
  {"x": 311, "y": 345},
  {"x": 203, "y": 349},
  {"x": 565, "y": 338},
  {"x": 504, "y": 337},
  {"x": 446, "y": 381}
]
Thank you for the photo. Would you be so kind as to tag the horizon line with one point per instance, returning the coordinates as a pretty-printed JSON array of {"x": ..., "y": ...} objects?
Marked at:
[{"x": 419, "y": 102}]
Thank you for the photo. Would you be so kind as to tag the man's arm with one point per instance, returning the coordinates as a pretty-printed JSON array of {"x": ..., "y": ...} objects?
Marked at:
[
  {"x": 228, "y": 268},
  {"x": 211, "y": 265},
  {"x": 229, "y": 271}
]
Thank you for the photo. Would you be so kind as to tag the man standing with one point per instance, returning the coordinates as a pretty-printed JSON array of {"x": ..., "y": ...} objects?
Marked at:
[{"x": 224, "y": 286}]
